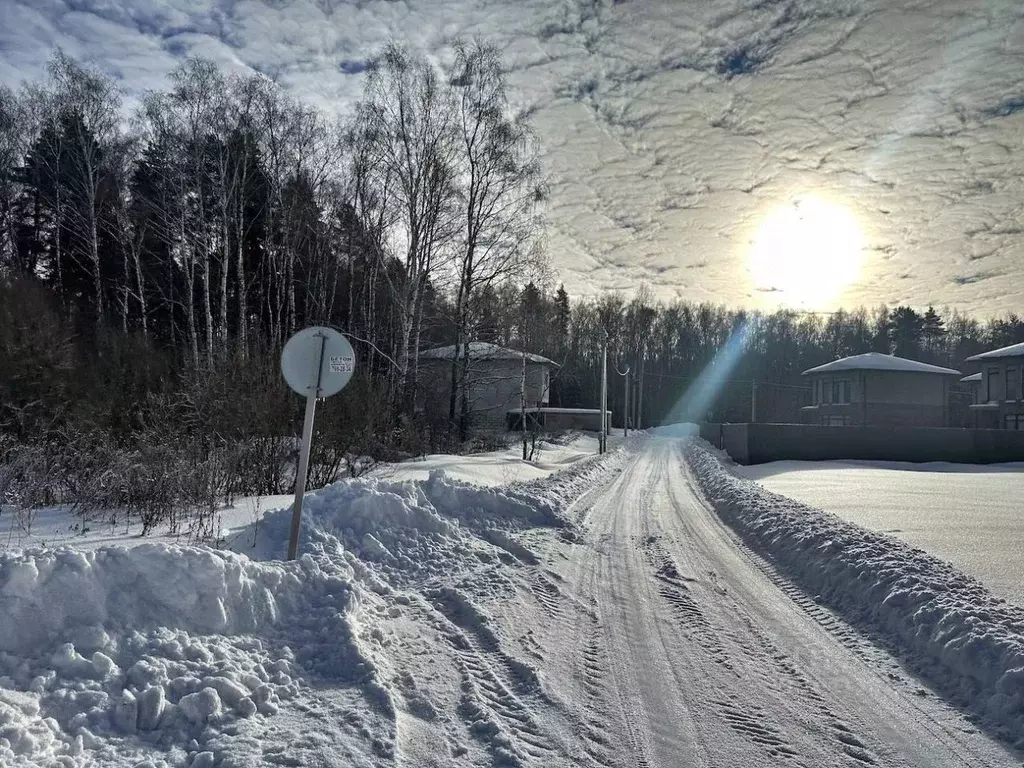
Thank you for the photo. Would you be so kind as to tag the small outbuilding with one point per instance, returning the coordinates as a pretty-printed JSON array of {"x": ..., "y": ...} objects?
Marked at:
[
  {"x": 493, "y": 382},
  {"x": 1000, "y": 400},
  {"x": 881, "y": 391}
]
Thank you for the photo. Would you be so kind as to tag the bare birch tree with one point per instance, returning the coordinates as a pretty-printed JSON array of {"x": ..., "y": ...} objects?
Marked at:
[
  {"x": 499, "y": 189},
  {"x": 13, "y": 147},
  {"x": 166, "y": 124},
  {"x": 87, "y": 104},
  {"x": 407, "y": 117}
]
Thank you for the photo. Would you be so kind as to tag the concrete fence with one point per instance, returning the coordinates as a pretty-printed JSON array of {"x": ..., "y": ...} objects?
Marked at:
[{"x": 761, "y": 443}]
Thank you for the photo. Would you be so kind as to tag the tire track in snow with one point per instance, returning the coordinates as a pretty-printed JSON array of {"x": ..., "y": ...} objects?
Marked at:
[
  {"x": 826, "y": 618},
  {"x": 752, "y": 721},
  {"x": 800, "y": 686},
  {"x": 497, "y": 716},
  {"x": 474, "y": 632},
  {"x": 743, "y": 717},
  {"x": 673, "y": 588},
  {"x": 598, "y": 668},
  {"x": 594, "y": 721},
  {"x": 871, "y": 650},
  {"x": 593, "y": 663},
  {"x": 783, "y": 667},
  {"x": 490, "y": 682},
  {"x": 603, "y": 662},
  {"x": 548, "y": 595}
]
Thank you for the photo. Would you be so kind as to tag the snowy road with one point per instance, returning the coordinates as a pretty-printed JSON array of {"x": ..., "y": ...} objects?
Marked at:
[{"x": 670, "y": 644}]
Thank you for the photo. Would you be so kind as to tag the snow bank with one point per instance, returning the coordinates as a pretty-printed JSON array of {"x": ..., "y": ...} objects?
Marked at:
[
  {"x": 966, "y": 641},
  {"x": 158, "y": 652},
  {"x": 561, "y": 489},
  {"x": 111, "y": 653},
  {"x": 409, "y": 530}
]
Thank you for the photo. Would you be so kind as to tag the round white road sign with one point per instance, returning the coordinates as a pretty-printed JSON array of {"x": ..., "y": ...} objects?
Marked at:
[{"x": 318, "y": 361}]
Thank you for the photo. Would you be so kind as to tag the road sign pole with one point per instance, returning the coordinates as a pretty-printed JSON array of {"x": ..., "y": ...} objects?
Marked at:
[
  {"x": 300, "y": 476},
  {"x": 317, "y": 362},
  {"x": 307, "y": 442}
]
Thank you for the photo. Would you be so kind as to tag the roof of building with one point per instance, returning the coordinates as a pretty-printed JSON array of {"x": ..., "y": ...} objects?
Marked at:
[
  {"x": 974, "y": 377},
  {"x": 482, "y": 350},
  {"x": 1014, "y": 350},
  {"x": 875, "y": 361}
]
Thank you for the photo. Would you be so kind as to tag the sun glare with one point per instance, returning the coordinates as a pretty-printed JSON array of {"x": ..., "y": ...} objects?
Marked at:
[{"x": 806, "y": 253}]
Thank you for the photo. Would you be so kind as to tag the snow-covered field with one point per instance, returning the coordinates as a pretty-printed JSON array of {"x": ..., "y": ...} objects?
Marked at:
[
  {"x": 55, "y": 527},
  {"x": 972, "y": 516},
  {"x": 601, "y": 616},
  {"x": 500, "y": 467}
]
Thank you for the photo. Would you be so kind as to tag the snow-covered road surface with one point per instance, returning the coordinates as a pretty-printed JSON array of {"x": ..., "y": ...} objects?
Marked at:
[
  {"x": 677, "y": 647},
  {"x": 972, "y": 516}
]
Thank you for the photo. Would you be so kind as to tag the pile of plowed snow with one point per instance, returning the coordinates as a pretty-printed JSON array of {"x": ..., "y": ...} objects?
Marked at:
[
  {"x": 410, "y": 530},
  {"x": 120, "y": 656},
  {"x": 163, "y": 643},
  {"x": 968, "y": 642}
]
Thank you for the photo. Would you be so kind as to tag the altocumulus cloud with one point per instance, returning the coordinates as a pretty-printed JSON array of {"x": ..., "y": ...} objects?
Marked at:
[{"x": 671, "y": 129}]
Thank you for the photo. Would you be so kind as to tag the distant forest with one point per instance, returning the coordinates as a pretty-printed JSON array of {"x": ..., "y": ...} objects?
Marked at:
[{"x": 152, "y": 264}]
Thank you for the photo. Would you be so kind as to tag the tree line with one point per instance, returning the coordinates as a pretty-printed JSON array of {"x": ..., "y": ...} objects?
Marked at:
[
  {"x": 154, "y": 259},
  {"x": 667, "y": 347},
  {"x": 224, "y": 215}
]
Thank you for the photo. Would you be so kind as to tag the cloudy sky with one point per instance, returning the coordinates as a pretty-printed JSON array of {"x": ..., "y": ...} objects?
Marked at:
[{"x": 692, "y": 147}]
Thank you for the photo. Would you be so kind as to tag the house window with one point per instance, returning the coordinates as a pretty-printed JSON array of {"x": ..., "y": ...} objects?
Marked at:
[
  {"x": 840, "y": 391},
  {"x": 1012, "y": 383},
  {"x": 1015, "y": 421},
  {"x": 992, "y": 382},
  {"x": 835, "y": 421}
]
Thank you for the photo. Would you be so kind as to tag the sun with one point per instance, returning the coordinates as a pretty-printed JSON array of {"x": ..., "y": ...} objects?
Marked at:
[{"x": 807, "y": 252}]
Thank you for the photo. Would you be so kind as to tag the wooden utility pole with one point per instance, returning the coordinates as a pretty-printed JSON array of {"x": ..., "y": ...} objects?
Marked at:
[
  {"x": 603, "y": 440},
  {"x": 625, "y": 401},
  {"x": 522, "y": 405},
  {"x": 625, "y": 406},
  {"x": 640, "y": 399},
  {"x": 634, "y": 404}
]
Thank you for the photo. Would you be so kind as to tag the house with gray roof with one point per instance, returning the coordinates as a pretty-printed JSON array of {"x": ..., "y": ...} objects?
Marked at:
[
  {"x": 494, "y": 381},
  {"x": 1000, "y": 401},
  {"x": 880, "y": 391}
]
